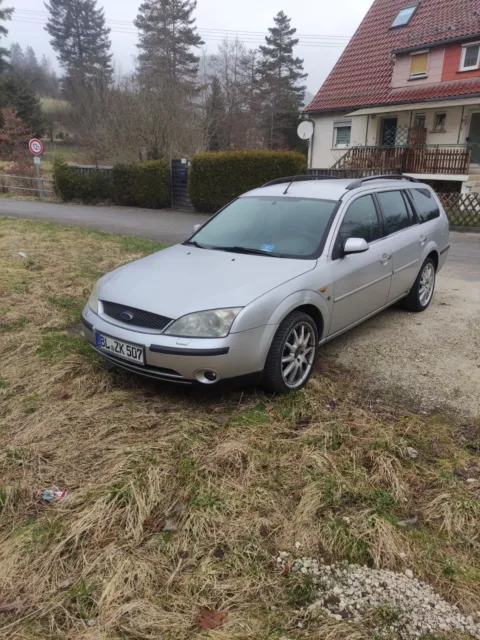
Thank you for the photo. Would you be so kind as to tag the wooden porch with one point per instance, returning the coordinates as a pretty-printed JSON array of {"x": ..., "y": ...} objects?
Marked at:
[{"x": 425, "y": 159}]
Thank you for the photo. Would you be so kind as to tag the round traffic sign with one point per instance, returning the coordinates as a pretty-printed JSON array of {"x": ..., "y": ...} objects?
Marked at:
[{"x": 36, "y": 147}]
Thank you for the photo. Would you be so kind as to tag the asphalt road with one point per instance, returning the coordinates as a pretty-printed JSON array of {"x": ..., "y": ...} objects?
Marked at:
[
  {"x": 175, "y": 226},
  {"x": 164, "y": 224}
]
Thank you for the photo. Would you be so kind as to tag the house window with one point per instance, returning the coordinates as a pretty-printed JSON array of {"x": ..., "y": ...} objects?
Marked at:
[
  {"x": 342, "y": 132},
  {"x": 420, "y": 121},
  {"x": 419, "y": 65},
  {"x": 470, "y": 57},
  {"x": 440, "y": 121},
  {"x": 404, "y": 16}
]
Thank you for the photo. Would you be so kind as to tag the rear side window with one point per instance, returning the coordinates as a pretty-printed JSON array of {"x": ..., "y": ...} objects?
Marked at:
[
  {"x": 394, "y": 211},
  {"x": 361, "y": 221},
  {"x": 425, "y": 205}
]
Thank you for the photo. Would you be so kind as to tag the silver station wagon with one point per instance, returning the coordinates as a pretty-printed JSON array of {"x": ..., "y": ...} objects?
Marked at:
[{"x": 270, "y": 278}]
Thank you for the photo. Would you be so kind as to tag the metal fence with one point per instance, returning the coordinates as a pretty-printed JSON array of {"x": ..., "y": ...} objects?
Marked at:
[{"x": 25, "y": 185}]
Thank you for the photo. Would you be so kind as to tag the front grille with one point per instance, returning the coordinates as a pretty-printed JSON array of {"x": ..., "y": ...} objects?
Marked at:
[{"x": 140, "y": 318}]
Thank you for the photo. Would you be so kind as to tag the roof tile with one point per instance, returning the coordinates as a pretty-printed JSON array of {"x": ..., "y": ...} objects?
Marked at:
[{"x": 362, "y": 76}]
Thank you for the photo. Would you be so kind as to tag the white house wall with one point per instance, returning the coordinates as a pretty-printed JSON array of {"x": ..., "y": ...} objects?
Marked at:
[{"x": 366, "y": 130}]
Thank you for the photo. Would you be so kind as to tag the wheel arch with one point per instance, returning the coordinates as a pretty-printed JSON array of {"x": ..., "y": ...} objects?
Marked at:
[
  {"x": 307, "y": 301},
  {"x": 435, "y": 256}
]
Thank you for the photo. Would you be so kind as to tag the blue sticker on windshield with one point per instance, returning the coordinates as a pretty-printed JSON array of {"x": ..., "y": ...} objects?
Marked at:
[{"x": 267, "y": 247}]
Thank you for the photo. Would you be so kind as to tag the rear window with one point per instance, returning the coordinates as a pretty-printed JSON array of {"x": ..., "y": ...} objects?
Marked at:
[
  {"x": 394, "y": 211},
  {"x": 425, "y": 204}
]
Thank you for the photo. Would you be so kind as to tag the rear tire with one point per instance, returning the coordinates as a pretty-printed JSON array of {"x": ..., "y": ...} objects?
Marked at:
[
  {"x": 421, "y": 294},
  {"x": 291, "y": 358}
]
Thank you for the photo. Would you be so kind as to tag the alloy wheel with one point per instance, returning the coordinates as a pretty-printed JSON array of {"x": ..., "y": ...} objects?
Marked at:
[
  {"x": 298, "y": 355},
  {"x": 427, "y": 284}
]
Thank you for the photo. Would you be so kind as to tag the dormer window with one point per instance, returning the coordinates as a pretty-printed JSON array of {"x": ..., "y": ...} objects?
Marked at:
[{"x": 404, "y": 16}]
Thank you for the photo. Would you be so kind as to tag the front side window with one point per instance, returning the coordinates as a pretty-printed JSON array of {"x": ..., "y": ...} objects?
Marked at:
[
  {"x": 404, "y": 16},
  {"x": 278, "y": 226},
  {"x": 470, "y": 57},
  {"x": 361, "y": 221},
  {"x": 342, "y": 135},
  {"x": 394, "y": 211},
  {"x": 425, "y": 205},
  {"x": 419, "y": 65}
]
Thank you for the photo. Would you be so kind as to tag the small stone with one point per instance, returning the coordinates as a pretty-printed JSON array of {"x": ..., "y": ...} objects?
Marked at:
[
  {"x": 411, "y": 452},
  {"x": 337, "y": 591},
  {"x": 471, "y": 480},
  {"x": 338, "y": 618},
  {"x": 409, "y": 573},
  {"x": 283, "y": 555}
]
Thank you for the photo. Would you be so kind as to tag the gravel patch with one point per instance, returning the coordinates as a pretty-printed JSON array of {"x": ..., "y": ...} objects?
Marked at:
[
  {"x": 395, "y": 602},
  {"x": 431, "y": 358}
]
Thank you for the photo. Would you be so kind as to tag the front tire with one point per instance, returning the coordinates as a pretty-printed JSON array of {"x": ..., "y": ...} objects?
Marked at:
[
  {"x": 421, "y": 295},
  {"x": 291, "y": 357}
]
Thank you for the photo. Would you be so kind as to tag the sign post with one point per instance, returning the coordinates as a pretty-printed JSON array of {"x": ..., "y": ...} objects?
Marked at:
[{"x": 36, "y": 148}]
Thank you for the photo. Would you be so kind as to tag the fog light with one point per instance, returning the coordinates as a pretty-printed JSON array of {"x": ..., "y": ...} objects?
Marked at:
[{"x": 206, "y": 376}]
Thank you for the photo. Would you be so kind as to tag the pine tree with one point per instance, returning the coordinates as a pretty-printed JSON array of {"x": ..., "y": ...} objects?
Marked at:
[
  {"x": 167, "y": 37},
  {"x": 215, "y": 109},
  {"x": 16, "y": 94},
  {"x": 280, "y": 76},
  {"x": 5, "y": 14},
  {"x": 81, "y": 40}
]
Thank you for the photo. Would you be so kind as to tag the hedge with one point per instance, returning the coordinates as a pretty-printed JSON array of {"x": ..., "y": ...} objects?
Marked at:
[
  {"x": 218, "y": 178},
  {"x": 70, "y": 185},
  {"x": 144, "y": 185}
]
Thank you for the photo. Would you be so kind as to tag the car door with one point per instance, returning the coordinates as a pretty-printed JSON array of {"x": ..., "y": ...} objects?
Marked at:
[
  {"x": 402, "y": 228},
  {"x": 361, "y": 282}
]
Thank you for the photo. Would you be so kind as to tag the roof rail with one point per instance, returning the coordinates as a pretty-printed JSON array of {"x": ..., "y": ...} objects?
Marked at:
[
  {"x": 295, "y": 178},
  {"x": 393, "y": 176}
]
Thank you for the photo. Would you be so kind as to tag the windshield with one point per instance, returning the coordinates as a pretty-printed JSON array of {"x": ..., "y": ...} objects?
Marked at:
[{"x": 282, "y": 227}]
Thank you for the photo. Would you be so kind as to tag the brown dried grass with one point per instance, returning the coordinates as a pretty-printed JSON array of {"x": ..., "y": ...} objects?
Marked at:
[{"x": 239, "y": 474}]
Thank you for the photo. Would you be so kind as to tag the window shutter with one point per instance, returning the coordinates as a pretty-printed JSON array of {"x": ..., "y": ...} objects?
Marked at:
[
  {"x": 343, "y": 135},
  {"x": 419, "y": 64}
]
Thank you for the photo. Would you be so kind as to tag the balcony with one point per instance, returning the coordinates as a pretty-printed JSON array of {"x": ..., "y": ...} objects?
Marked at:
[{"x": 448, "y": 160}]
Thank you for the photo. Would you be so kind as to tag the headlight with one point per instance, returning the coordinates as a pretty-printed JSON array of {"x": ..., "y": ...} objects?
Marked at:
[
  {"x": 93, "y": 300},
  {"x": 206, "y": 324}
]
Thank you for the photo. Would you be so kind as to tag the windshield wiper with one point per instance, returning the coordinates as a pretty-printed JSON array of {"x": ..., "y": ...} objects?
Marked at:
[
  {"x": 194, "y": 243},
  {"x": 246, "y": 250}
]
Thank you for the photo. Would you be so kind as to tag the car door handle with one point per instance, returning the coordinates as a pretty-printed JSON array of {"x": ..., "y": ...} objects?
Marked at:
[
  {"x": 423, "y": 240},
  {"x": 385, "y": 258}
]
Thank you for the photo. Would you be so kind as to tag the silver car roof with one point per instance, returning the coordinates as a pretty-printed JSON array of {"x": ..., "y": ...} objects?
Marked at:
[{"x": 329, "y": 189}]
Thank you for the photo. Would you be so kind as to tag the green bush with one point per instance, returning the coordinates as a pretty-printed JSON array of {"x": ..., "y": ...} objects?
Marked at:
[
  {"x": 87, "y": 187},
  {"x": 144, "y": 185},
  {"x": 218, "y": 178}
]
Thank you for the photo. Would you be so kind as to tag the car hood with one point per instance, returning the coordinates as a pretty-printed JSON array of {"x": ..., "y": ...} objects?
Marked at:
[{"x": 184, "y": 279}]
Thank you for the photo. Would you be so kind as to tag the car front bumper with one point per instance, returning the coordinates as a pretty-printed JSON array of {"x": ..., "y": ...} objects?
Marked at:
[{"x": 185, "y": 361}]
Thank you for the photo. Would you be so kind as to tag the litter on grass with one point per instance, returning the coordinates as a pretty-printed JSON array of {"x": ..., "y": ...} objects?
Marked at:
[{"x": 49, "y": 495}]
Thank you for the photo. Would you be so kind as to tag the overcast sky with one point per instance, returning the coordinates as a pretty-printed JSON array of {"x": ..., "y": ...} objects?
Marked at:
[{"x": 318, "y": 24}]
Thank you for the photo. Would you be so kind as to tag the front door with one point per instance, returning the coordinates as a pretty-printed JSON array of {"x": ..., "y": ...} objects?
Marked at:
[
  {"x": 474, "y": 138},
  {"x": 389, "y": 132},
  {"x": 361, "y": 281}
]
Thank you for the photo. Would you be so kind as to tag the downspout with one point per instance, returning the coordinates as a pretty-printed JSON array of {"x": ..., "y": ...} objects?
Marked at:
[
  {"x": 461, "y": 125},
  {"x": 366, "y": 133}
]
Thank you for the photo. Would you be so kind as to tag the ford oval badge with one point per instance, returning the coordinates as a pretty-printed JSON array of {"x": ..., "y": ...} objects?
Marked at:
[{"x": 126, "y": 316}]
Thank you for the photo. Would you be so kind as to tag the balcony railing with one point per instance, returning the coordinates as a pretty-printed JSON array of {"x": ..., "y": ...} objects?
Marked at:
[{"x": 436, "y": 159}]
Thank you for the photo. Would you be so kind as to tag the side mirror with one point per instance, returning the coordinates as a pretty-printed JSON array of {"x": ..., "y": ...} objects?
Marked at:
[
  {"x": 355, "y": 245},
  {"x": 197, "y": 227}
]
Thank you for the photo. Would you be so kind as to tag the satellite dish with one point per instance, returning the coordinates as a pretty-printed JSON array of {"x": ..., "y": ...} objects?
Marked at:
[{"x": 305, "y": 129}]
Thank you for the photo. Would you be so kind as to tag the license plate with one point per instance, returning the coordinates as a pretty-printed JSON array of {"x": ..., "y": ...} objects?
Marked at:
[{"x": 121, "y": 349}]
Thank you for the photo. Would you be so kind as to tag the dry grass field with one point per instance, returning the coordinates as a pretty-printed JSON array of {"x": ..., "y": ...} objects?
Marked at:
[{"x": 180, "y": 500}]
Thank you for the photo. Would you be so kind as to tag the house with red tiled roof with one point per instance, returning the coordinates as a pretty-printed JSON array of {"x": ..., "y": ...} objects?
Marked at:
[{"x": 405, "y": 95}]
